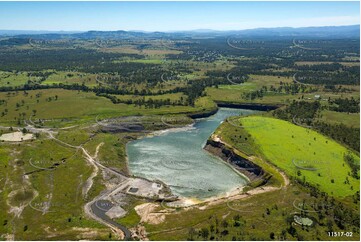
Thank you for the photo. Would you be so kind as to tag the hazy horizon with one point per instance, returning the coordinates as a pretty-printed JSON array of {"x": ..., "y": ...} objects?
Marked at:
[
  {"x": 173, "y": 16},
  {"x": 170, "y": 31}
]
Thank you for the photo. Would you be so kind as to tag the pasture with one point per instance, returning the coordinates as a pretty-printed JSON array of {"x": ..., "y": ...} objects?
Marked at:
[
  {"x": 303, "y": 153},
  {"x": 64, "y": 107}
]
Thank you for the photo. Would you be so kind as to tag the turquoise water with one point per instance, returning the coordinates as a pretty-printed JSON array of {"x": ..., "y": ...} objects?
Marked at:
[{"x": 177, "y": 158}]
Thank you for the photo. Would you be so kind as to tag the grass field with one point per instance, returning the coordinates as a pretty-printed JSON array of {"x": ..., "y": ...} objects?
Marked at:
[
  {"x": 289, "y": 147},
  {"x": 244, "y": 145},
  {"x": 10, "y": 79},
  {"x": 147, "y": 61},
  {"x": 20, "y": 78},
  {"x": 5, "y": 153},
  {"x": 234, "y": 93},
  {"x": 112, "y": 152},
  {"x": 251, "y": 219},
  {"x": 349, "y": 119},
  {"x": 170, "y": 96},
  {"x": 79, "y": 106},
  {"x": 69, "y": 78},
  {"x": 64, "y": 219}
]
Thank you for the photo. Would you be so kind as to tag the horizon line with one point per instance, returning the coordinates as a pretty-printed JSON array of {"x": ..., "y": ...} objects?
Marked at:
[{"x": 186, "y": 30}]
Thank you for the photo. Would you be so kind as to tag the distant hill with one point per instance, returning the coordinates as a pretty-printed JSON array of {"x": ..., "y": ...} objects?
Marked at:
[
  {"x": 327, "y": 31},
  {"x": 33, "y": 32},
  {"x": 351, "y": 31}
]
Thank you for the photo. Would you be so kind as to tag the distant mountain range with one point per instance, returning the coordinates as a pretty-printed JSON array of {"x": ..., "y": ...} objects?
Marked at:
[
  {"x": 34, "y": 32},
  {"x": 351, "y": 31},
  {"x": 327, "y": 31}
]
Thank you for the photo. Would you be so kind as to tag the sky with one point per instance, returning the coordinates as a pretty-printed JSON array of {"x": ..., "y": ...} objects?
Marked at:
[{"x": 174, "y": 16}]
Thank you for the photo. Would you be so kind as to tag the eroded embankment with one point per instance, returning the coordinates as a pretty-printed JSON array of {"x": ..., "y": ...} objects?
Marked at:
[
  {"x": 204, "y": 114},
  {"x": 252, "y": 171},
  {"x": 251, "y": 106}
]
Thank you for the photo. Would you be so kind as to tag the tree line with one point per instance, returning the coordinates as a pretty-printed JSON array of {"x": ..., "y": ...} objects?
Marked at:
[{"x": 307, "y": 113}]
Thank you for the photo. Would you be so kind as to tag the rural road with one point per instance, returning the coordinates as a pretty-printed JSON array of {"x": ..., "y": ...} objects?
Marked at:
[
  {"x": 100, "y": 213},
  {"x": 296, "y": 81}
]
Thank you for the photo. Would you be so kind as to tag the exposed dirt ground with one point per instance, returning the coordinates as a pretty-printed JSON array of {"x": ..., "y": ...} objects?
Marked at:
[
  {"x": 16, "y": 137},
  {"x": 149, "y": 214}
]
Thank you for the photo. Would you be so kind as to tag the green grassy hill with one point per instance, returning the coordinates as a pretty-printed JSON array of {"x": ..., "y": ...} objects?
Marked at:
[{"x": 303, "y": 153}]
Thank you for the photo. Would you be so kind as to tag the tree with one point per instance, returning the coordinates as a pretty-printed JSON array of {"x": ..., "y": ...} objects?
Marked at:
[
  {"x": 237, "y": 223},
  {"x": 292, "y": 231},
  {"x": 268, "y": 212},
  {"x": 204, "y": 233},
  {"x": 224, "y": 232},
  {"x": 191, "y": 233},
  {"x": 211, "y": 228}
]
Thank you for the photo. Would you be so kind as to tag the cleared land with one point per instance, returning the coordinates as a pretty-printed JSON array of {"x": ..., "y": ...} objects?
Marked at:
[
  {"x": 14, "y": 79},
  {"x": 349, "y": 119},
  {"x": 302, "y": 152},
  {"x": 15, "y": 137},
  {"x": 64, "y": 107}
]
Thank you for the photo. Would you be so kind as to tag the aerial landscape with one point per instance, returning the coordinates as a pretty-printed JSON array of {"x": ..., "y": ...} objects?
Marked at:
[{"x": 144, "y": 123}]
